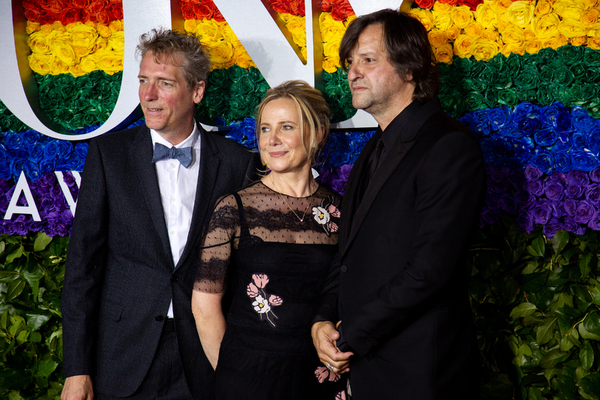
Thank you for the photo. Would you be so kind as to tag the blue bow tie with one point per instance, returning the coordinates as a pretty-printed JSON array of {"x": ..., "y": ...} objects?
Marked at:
[{"x": 183, "y": 155}]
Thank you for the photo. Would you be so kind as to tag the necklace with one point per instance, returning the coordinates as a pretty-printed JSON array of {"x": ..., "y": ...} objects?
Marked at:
[{"x": 287, "y": 204}]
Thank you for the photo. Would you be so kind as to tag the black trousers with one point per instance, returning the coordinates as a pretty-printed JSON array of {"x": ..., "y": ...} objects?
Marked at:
[{"x": 165, "y": 379}]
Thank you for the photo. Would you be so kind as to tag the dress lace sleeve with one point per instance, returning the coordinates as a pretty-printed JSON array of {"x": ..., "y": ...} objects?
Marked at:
[{"x": 217, "y": 246}]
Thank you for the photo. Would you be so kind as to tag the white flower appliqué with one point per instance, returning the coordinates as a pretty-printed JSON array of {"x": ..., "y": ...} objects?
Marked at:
[{"x": 263, "y": 302}]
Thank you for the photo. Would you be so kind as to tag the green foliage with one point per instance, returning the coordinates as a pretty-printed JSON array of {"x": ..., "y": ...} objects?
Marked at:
[
  {"x": 535, "y": 301},
  {"x": 31, "y": 276},
  {"x": 536, "y": 310}
]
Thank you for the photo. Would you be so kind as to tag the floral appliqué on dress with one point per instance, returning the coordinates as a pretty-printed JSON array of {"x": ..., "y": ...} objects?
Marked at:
[
  {"x": 323, "y": 374},
  {"x": 263, "y": 302},
  {"x": 323, "y": 214}
]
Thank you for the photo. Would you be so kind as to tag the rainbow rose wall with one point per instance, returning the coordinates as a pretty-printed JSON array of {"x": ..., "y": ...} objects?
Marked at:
[{"x": 524, "y": 76}]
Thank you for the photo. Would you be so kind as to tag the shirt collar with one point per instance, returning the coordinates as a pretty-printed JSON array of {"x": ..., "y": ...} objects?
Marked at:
[{"x": 190, "y": 141}]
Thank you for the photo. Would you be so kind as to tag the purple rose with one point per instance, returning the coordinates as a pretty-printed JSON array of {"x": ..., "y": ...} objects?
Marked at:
[
  {"x": 542, "y": 212},
  {"x": 576, "y": 177},
  {"x": 554, "y": 190},
  {"x": 584, "y": 212},
  {"x": 524, "y": 199},
  {"x": 594, "y": 175},
  {"x": 535, "y": 188},
  {"x": 532, "y": 173},
  {"x": 507, "y": 203},
  {"x": 570, "y": 207},
  {"x": 524, "y": 221},
  {"x": 592, "y": 194},
  {"x": 594, "y": 222},
  {"x": 574, "y": 192},
  {"x": 558, "y": 209},
  {"x": 572, "y": 226},
  {"x": 489, "y": 216},
  {"x": 516, "y": 180},
  {"x": 553, "y": 226}
]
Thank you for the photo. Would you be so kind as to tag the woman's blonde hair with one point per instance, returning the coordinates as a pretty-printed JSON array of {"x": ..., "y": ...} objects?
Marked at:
[{"x": 312, "y": 109}]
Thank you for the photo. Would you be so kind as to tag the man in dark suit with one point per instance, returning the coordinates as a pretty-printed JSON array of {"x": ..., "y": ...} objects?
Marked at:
[
  {"x": 128, "y": 329},
  {"x": 399, "y": 287}
]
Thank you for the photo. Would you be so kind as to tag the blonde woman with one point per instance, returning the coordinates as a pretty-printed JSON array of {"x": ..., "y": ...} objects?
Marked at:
[{"x": 266, "y": 255}]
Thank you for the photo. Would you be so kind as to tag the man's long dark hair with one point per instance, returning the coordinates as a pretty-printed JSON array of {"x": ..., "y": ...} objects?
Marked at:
[{"x": 407, "y": 47}]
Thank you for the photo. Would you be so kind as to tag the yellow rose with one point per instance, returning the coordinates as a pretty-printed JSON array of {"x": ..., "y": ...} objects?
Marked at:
[
  {"x": 58, "y": 67},
  {"x": 330, "y": 28},
  {"x": 330, "y": 65},
  {"x": 350, "y": 19},
  {"x": 502, "y": 22},
  {"x": 116, "y": 25},
  {"x": 513, "y": 34},
  {"x": 100, "y": 45},
  {"x": 110, "y": 62},
  {"x": 304, "y": 54},
  {"x": 491, "y": 35},
  {"x": 58, "y": 26},
  {"x": 46, "y": 29},
  {"x": 242, "y": 58},
  {"x": 62, "y": 49},
  {"x": 589, "y": 3},
  {"x": 484, "y": 50},
  {"x": 452, "y": 33},
  {"x": 520, "y": 13},
  {"x": 533, "y": 46},
  {"x": 486, "y": 15},
  {"x": 425, "y": 16},
  {"x": 38, "y": 43},
  {"x": 41, "y": 63},
  {"x": 443, "y": 53},
  {"x": 189, "y": 25},
  {"x": 208, "y": 31},
  {"x": 117, "y": 41},
  {"x": 593, "y": 43},
  {"x": 437, "y": 38},
  {"x": 590, "y": 17},
  {"x": 103, "y": 30},
  {"x": 461, "y": 16},
  {"x": 594, "y": 30},
  {"x": 501, "y": 6},
  {"x": 543, "y": 7},
  {"x": 571, "y": 28},
  {"x": 473, "y": 29},
  {"x": 568, "y": 9},
  {"x": 442, "y": 8},
  {"x": 529, "y": 35},
  {"x": 442, "y": 21},
  {"x": 331, "y": 49},
  {"x": 83, "y": 35},
  {"x": 516, "y": 48},
  {"x": 462, "y": 46},
  {"x": 220, "y": 52},
  {"x": 32, "y": 27},
  {"x": 579, "y": 41},
  {"x": 297, "y": 27},
  {"x": 88, "y": 63},
  {"x": 546, "y": 26},
  {"x": 555, "y": 42},
  {"x": 76, "y": 70}
]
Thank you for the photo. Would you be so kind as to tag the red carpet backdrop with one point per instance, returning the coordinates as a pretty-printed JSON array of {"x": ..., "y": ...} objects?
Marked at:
[{"x": 524, "y": 76}]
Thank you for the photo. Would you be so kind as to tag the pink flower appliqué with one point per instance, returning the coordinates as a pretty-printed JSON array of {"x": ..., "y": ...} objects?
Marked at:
[
  {"x": 341, "y": 395},
  {"x": 263, "y": 302},
  {"x": 323, "y": 374}
]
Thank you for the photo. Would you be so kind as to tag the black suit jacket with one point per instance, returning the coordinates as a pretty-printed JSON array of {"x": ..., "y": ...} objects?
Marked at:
[
  {"x": 120, "y": 277},
  {"x": 400, "y": 288}
]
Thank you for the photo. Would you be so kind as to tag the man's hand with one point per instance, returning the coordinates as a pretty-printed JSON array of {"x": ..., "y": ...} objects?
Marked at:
[
  {"x": 324, "y": 336},
  {"x": 78, "y": 387}
]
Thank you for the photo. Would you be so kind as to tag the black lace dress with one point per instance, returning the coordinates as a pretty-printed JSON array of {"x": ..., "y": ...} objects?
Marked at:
[{"x": 271, "y": 266}]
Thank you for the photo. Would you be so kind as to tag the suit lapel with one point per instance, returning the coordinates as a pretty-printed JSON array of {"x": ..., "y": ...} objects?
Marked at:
[
  {"x": 141, "y": 155},
  {"x": 386, "y": 168},
  {"x": 207, "y": 177}
]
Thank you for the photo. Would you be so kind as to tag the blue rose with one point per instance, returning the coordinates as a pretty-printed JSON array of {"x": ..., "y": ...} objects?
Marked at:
[
  {"x": 562, "y": 161},
  {"x": 581, "y": 120},
  {"x": 529, "y": 125},
  {"x": 524, "y": 110},
  {"x": 499, "y": 117},
  {"x": 545, "y": 137},
  {"x": 543, "y": 160},
  {"x": 584, "y": 160}
]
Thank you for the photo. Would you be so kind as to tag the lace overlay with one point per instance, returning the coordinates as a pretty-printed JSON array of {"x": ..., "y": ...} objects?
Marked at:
[{"x": 269, "y": 219}]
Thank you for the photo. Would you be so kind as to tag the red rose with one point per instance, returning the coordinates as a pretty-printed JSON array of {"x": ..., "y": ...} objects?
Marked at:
[
  {"x": 451, "y": 2},
  {"x": 217, "y": 16},
  {"x": 203, "y": 11},
  {"x": 342, "y": 11},
  {"x": 187, "y": 11},
  {"x": 280, "y": 6},
  {"x": 80, "y": 3},
  {"x": 472, "y": 4},
  {"x": 427, "y": 4},
  {"x": 326, "y": 5},
  {"x": 97, "y": 6},
  {"x": 297, "y": 7},
  {"x": 69, "y": 15},
  {"x": 115, "y": 10}
]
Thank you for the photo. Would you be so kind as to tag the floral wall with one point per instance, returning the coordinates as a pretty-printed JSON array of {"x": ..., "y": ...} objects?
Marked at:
[{"x": 524, "y": 76}]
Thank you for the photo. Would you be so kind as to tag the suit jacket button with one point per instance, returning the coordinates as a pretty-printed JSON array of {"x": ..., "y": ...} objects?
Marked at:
[
  {"x": 344, "y": 268},
  {"x": 159, "y": 318},
  {"x": 174, "y": 278}
]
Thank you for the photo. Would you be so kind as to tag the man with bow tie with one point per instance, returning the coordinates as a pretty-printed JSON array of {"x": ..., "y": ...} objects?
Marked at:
[{"x": 146, "y": 193}]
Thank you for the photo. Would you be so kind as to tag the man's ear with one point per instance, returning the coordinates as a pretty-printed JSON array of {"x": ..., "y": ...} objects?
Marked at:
[{"x": 198, "y": 91}]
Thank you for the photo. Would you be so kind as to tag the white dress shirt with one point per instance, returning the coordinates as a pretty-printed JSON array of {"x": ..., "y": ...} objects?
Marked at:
[{"x": 177, "y": 186}]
